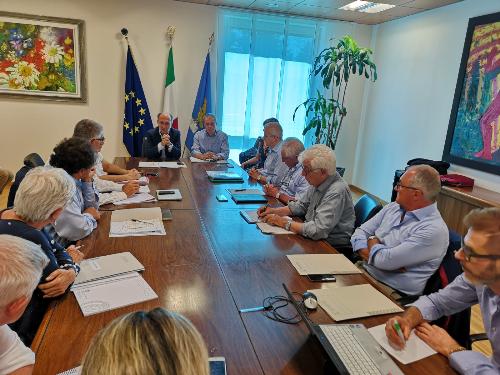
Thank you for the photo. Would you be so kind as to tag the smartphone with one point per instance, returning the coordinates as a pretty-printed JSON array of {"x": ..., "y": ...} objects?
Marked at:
[
  {"x": 322, "y": 277},
  {"x": 217, "y": 365},
  {"x": 165, "y": 192},
  {"x": 180, "y": 163},
  {"x": 221, "y": 198},
  {"x": 166, "y": 214},
  {"x": 151, "y": 174}
]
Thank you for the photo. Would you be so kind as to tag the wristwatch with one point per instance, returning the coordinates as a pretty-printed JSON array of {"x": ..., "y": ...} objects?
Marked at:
[
  {"x": 456, "y": 349},
  {"x": 288, "y": 224},
  {"x": 372, "y": 238}
]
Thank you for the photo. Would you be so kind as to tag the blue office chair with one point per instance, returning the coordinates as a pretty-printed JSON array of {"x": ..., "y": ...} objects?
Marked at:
[{"x": 364, "y": 209}]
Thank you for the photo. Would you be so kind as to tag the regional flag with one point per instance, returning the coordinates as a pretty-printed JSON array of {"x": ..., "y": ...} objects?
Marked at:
[
  {"x": 202, "y": 104},
  {"x": 169, "y": 95},
  {"x": 136, "y": 118}
]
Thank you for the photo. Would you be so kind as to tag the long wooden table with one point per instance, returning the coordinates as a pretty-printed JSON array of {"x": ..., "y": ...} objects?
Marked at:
[{"x": 210, "y": 264}]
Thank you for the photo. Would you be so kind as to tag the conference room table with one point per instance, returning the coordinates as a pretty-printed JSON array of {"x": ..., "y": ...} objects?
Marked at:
[{"x": 210, "y": 264}]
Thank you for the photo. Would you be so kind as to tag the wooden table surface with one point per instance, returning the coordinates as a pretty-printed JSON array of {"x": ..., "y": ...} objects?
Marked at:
[{"x": 210, "y": 264}]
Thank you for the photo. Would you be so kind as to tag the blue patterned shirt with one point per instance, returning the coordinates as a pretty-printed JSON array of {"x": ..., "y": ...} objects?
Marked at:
[
  {"x": 294, "y": 184},
  {"x": 274, "y": 169},
  {"x": 216, "y": 143}
]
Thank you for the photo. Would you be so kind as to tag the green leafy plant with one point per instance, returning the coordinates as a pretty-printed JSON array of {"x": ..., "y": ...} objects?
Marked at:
[{"x": 335, "y": 65}]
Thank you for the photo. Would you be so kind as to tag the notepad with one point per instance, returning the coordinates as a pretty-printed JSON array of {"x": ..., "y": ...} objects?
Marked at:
[
  {"x": 106, "y": 266},
  {"x": 307, "y": 264},
  {"x": 137, "y": 198},
  {"x": 196, "y": 160},
  {"x": 137, "y": 222},
  {"x": 415, "y": 348},
  {"x": 250, "y": 216},
  {"x": 356, "y": 301},
  {"x": 161, "y": 164},
  {"x": 244, "y": 191},
  {"x": 271, "y": 229},
  {"x": 111, "y": 293},
  {"x": 73, "y": 371},
  {"x": 217, "y": 176}
]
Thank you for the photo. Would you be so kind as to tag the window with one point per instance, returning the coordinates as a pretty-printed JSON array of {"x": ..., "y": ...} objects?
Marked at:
[{"x": 264, "y": 72}]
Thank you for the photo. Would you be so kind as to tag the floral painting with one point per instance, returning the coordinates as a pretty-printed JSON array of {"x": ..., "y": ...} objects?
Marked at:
[
  {"x": 473, "y": 138},
  {"x": 41, "y": 57}
]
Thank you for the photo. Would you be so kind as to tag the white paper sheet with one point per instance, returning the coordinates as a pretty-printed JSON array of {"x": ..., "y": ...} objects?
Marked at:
[
  {"x": 137, "y": 198},
  {"x": 144, "y": 189},
  {"x": 112, "y": 293},
  {"x": 196, "y": 160},
  {"x": 137, "y": 222},
  {"x": 271, "y": 229},
  {"x": 171, "y": 165},
  {"x": 415, "y": 349},
  {"x": 245, "y": 191},
  {"x": 149, "y": 164},
  {"x": 307, "y": 264},
  {"x": 356, "y": 301}
]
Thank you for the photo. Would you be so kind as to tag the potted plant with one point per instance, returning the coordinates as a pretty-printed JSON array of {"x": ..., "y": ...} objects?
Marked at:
[{"x": 335, "y": 65}]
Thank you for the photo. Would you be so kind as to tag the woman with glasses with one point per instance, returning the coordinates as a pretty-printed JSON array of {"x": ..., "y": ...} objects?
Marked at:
[{"x": 479, "y": 283}]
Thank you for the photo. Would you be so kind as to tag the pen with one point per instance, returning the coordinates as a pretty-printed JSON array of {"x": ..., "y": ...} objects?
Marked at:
[
  {"x": 141, "y": 221},
  {"x": 397, "y": 327},
  {"x": 253, "y": 309}
]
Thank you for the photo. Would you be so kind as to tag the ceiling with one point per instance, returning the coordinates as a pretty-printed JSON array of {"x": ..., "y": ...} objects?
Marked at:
[{"x": 328, "y": 9}]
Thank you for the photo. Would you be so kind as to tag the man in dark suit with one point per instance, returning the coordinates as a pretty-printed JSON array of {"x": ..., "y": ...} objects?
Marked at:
[{"x": 162, "y": 142}]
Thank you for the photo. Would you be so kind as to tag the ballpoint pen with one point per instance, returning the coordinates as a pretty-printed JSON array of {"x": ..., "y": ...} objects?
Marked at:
[
  {"x": 141, "y": 221},
  {"x": 398, "y": 330}
]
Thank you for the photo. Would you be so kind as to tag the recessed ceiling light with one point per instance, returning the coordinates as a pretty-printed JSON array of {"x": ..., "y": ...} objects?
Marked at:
[{"x": 366, "y": 6}]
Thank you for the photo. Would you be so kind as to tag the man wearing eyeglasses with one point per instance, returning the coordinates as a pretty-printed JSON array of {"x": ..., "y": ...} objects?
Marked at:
[
  {"x": 404, "y": 244},
  {"x": 479, "y": 283},
  {"x": 274, "y": 169},
  {"x": 326, "y": 207},
  {"x": 163, "y": 142}
]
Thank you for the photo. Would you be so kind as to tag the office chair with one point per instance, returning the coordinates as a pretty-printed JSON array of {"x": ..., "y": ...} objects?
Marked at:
[
  {"x": 30, "y": 161},
  {"x": 364, "y": 209},
  {"x": 144, "y": 140},
  {"x": 341, "y": 171}
]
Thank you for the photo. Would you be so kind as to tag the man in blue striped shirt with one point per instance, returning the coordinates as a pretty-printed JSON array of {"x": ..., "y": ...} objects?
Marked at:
[{"x": 210, "y": 143}]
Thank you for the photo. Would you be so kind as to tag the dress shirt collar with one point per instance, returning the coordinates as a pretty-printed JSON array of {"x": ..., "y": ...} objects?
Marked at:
[
  {"x": 326, "y": 184},
  {"x": 277, "y": 147},
  {"x": 423, "y": 212},
  {"x": 208, "y": 135}
]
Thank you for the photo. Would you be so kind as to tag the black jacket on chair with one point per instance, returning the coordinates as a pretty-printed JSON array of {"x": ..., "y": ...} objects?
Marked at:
[{"x": 151, "y": 140}]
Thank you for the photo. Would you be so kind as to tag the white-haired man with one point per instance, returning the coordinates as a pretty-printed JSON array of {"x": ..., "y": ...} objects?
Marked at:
[
  {"x": 274, "y": 169},
  {"x": 21, "y": 265},
  {"x": 293, "y": 184},
  {"x": 404, "y": 244},
  {"x": 327, "y": 207},
  {"x": 479, "y": 284},
  {"x": 210, "y": 143}
]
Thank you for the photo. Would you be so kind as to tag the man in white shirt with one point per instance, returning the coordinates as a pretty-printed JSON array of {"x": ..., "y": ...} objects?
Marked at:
[{"x": 21, "y": 265}]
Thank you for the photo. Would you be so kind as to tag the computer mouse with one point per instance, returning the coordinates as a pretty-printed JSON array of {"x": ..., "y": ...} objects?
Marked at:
[{"x": 310, "y": 300}]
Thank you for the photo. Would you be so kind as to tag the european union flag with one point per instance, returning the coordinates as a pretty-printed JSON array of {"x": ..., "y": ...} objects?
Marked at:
[
  {"x": 136, "y": 118},
  {"x": 202, "y": 104}
]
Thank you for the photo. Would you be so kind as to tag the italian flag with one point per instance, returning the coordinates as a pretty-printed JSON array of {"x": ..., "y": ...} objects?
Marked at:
[{"x": 169, "y": 96}]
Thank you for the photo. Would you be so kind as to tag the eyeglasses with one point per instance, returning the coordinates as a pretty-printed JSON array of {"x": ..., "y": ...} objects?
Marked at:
[
  {"x": 399, "y": 186},
  {"x": 102, "y": 139},
  {"x": 469, "y": 253},
  {"x": 307, "y": 171}
]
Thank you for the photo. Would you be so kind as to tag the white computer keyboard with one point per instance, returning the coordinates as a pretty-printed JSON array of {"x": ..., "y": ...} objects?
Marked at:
[{"x": 352, "y": 354}]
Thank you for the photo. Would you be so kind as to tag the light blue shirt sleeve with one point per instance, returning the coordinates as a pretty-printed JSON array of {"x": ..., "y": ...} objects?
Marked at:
[
  {"x": 196, "y": 143},
  {"x": 468, "y": 362},
  {"x": 224, "y": 147},
  {"x": 359, "y": 239}
]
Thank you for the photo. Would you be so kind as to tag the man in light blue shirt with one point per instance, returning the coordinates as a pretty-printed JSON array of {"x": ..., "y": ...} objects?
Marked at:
[
  {"x": 404, "y": 244},
  {"x": 480, "y": 283},
  {"x": 274, "y": 169},
  {"x": 293, "y": 185},
  {"x": 210, "y": 143}
]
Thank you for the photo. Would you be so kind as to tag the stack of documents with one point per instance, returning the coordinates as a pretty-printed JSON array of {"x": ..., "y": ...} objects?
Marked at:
[
  {"x": 137, "y": 222},
  {"x": 162, "y": 164},
  {"x": 311, "y": 264},
  {"x": 112, "y": 292},
  {"x": 247, "y": 195},
  {"x": 415, "y": 349},
  {"x": 357, "y": 301},
  {"x": 250, "y": 216},
  {"x": 196, "y": 160},
  {"x": 137, "y": 198},
  {"x": 271, "y": 229},
  {"x": 217, "y": 176}
]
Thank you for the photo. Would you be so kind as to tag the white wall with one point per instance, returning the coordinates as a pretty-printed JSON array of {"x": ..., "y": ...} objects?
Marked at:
[
  {"x": 407, "y": 110},
  {"x": 36, "y": 126}
]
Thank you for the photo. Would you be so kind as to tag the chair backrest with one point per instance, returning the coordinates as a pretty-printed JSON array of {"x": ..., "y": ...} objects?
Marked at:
[
  {"x": 364, "y": 209},
  {"x": 33, "y": 160},
  {"x": 457, "y": 325},
  {"x": 144, "y": 140},
  {"x": 341, "y": 171}
]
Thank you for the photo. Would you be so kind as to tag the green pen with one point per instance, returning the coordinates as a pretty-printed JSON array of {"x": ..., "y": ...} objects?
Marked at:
[{"x": 397, "y": 327}]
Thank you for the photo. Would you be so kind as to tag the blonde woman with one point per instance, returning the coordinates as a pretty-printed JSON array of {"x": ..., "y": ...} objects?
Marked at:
[{"x": 147, "y": 343}]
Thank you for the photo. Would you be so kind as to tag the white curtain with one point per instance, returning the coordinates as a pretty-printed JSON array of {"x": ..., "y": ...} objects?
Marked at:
[{"x": 264, "y": 69}]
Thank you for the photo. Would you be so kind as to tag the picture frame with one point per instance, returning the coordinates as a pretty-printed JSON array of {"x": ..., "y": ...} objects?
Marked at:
[
  {"x": 473, "y": 137},
  {"x": 42, "y": 58}
]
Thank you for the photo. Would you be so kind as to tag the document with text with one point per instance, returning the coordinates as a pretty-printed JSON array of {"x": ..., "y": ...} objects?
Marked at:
[{"x": 307, "y": 264}]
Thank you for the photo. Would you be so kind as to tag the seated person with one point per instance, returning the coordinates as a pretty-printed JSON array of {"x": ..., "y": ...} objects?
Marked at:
[
  {"x": 109, "y": 191},
  {"x": 209, "y": 143},
  {"x": 404, "y": 244},
  {"x": 163, "y": 142},
  {"x": 147, "y": 343},
  {"x": 327, "y": 206},
  {"x": 40, "y": 199},
  {"x": 293, "y": 184},
  {"x": 274, "y": 169},
  {"x": 79, "y": 218},
  {"x": 480, "y": 283},
  {"x": 21, "y": 265},
  {"x": 94, "y": 131},
  {"x": 256, "y": 156}
]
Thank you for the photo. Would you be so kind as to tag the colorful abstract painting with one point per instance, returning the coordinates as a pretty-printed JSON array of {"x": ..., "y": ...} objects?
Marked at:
[
  {"x": 474, "y": 130},
  {"x": 41, "y": 57}
]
